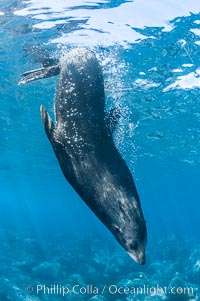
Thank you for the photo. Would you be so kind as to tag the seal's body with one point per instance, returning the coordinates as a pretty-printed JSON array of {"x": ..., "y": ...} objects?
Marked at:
[{"x": 83, "y": 143}]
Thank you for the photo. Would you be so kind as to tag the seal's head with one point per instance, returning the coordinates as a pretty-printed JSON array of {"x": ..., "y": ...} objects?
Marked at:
[
  {"x": 132, "y": 236},
  {"x": 136, "y": 249}
]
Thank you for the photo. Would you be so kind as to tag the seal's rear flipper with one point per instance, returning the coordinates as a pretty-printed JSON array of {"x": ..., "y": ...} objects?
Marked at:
[
  {"x": 32, "y": 75},
  {"x": 48, "y": 124}
]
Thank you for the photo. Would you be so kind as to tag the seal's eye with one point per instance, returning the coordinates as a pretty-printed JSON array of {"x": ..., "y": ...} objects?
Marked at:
[{"x": 134, "y": 246}]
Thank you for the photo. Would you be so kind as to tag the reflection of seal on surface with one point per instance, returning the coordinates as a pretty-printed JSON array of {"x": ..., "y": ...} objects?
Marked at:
[{"x": 83, "y": 143}]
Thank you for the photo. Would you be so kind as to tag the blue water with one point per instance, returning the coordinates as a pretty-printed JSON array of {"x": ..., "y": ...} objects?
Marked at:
[{"x": 150, "y": 55}]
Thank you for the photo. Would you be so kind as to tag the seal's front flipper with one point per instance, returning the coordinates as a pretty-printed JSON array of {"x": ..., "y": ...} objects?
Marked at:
[
  {"x": 112, "y": 119},
  {"x": 60, "y": 150},
  {"x": 48, "y": 124},
  {"x": 32, "y": 75}
]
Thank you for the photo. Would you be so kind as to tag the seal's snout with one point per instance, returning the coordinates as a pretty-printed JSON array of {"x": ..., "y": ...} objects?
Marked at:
[
  {"x": 139, "y": 258},
  {"x": 142, "y": 260}
]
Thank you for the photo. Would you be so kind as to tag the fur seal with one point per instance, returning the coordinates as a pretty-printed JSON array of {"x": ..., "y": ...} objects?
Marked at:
[{"x": 83, "y": 144}]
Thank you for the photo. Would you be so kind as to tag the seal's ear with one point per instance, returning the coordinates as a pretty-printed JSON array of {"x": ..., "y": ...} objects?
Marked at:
[
  {"x": 112, "y": 119},
  {"x": 117, "y": 228},
  {"x": 48, "y": 124}
]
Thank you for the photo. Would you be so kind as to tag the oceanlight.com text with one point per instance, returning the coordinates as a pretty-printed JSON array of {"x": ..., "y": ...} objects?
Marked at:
[{"x": 113, "y": 289}]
